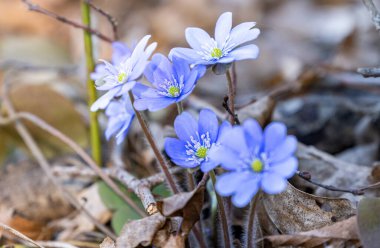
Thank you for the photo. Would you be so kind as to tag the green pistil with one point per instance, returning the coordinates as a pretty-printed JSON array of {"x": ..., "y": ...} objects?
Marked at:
[
  {"x": 201, "y": 152},
  {"x": 216, "y": 53},
  {"x": 121, "y": 77},
  {"x": 173, "y": 91},
  {"x": 257, "y": 165}
]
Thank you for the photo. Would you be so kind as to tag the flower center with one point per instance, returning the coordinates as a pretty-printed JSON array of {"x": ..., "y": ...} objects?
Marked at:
[
  {"x": 173, "y": 91},
  {"x": 257, "y": 165},
  {"x": 121, "y": 77},
  {"x": 216, "y": 53},
  {"x": 201, "y": 152}
]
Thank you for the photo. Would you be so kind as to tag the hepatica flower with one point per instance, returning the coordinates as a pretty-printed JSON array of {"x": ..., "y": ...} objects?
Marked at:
[
  {"x": 194, "y": 140},
  {"x": 120, "y": 114},
  {"x": 120, "y": 77},
  {"x": 227, "y": 46},
  {"x": 254, "y": 159},
  {"x": 171, "y": 83}
]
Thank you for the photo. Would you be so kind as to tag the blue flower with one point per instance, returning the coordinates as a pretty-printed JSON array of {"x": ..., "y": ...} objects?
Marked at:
[
  {"x": 195, "y": 140},
  {"x": 229, "y": 44},
  {"x": 171, "y": 83},
  {"x": 120, "y": 77},
  {"x": 119, "y": 52},
  {"x": 254, "y": 159},
  {"x": 120, "y": 114}
]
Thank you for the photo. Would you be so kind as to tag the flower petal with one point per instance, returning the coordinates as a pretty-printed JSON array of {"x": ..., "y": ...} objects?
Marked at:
[
  {"x": 208, "y": 122},
  {"x": 223, "y": 28},
  {"x": 226, "y": 157},
  {"x": 185, "y": 163},
  {"x": 153, "y": 104},
  {"x": 242, "y": 33},
  {"x": 273, "y": 183},
  {"x": 244, "y": 52},
  {"x": 139, "y": 49},
  {"x": 176, "y": 149},
  {"x": 286, "y": 168},
  {"x": 105, "y": 99},
  {"x": 197, "y": 37},
  {"x": 185, "y": 126},
  {"x": 113, "y": 125},
  {"x": 234, "y": 139},
  {"x": 229, "y": 182},
  {"x": 181, "y": 67},
  {"x": 208, "y": 165},
  {"x": 119, "y": 52},
  {"x": 284, "y": 150},
  {"x": 274, "y": 135},
  {"x": 188, "y": 54},
  {"x": 254, "y": 134},
  {"x": 124, "y": 130},
  {"x": 246, "y": 191},
  {"x": 142, "y": 62}
]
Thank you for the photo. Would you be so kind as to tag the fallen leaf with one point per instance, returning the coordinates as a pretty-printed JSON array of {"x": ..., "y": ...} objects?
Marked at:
[
  {"x": 108, "y": 243},
  {"x": 295, "y": 211},
  {"x": 369, "y": 222},
  {"x": 342, "y": 231},
  {"x": 261, "y": 110}
]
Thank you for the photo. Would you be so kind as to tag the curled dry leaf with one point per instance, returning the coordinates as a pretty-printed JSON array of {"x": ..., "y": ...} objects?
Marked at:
[
  {"x": 341, "y": 231},
  {"x": 295, "y": 211},
  {"x": 157, "y": 229}
]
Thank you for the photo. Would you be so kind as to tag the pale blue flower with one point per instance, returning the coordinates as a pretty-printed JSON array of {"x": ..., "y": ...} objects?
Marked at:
[
  {"x": 119, "y": 78},
  {"x": 229, "y": 45},
  {"x": 254, "y": 159}
]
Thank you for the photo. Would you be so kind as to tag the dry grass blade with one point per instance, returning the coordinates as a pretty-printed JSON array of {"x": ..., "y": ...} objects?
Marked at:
[{"x": 19, "y": 235}]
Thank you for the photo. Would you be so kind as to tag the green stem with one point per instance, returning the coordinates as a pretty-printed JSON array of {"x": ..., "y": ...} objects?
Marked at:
[
  {"x": 231, "y": 96},
  {"x": 96, "y": 149},
  {"x": 179, "y": 107},
  {"x": 222, "y": 212}
]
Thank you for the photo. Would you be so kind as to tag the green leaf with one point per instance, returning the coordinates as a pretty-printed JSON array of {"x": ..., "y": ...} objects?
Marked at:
[
  {"x": 122, "y": 216},
  {"x": 161, "y": 190},
  {"x": 112, "y": 200},
  {"x": 369, "y": 222}
]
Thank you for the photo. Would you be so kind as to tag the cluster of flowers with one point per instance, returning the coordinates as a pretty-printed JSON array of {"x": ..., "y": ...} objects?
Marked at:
[{"x": 253, "y": 158}]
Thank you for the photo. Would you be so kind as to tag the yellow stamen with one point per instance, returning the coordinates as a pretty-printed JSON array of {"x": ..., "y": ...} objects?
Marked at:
[{"x": 257, "y": 165}]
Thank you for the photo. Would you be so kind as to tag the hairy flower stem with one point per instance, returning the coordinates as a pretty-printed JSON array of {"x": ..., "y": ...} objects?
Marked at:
[
  {"x": 222, "y": 212},
  {"x": 251, "y": 220},
  {"x": 179, "y": 107},
  {"x": 96, "y": 149},
  {"x": 231, "y": 96},
  {"x": 157, "y": 152}
]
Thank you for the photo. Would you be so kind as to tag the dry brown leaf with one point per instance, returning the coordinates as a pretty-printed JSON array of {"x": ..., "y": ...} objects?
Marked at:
[
  {"x": 261, "y": 110},
  {"x": 108, "y": 243},
  {"x": 344, "y": 230},
  {"x": 295, "y": 211},
  {"x": 182, "y": 209}
]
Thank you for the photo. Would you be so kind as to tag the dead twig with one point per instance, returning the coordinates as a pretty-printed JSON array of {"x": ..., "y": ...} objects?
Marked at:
[
  {"x": 226, "y": 106},
  {"x": 38, "y": 9},
  {"x": 19, "y": 235}
]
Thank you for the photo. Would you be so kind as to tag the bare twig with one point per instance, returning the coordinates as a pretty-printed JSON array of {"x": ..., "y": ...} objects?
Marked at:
[
  {"x": 374, "y": 13},
  {"x": 369, "y": 72},
  {"x": 19, "y": 235},
  {"x": 109, "y": 17},
  {"x": 226, "y": 106},
  {"x": 37, "y": 153},
  {"x": 307, "y": 177},
  {"x": 38, "y": 9}
]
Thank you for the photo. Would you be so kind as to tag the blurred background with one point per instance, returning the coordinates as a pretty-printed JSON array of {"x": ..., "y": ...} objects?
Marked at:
[{"x": 339, "y": 113}]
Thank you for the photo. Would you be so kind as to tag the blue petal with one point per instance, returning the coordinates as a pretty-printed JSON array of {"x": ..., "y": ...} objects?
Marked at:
[
  {"x": 242, "y": 33},
  {"x": 190, "y": 82},
  {"x": 139, "y": 49},
  {"x": 273, "y": 183},
  {"x": 247, "y": 189},
  {"x": 245, "y": 52},
  {"x": 99, "y": 72},
  {"x": 141, "y": 63},
  {"x": 201, "y": 70},
  {"x": 185, "y": 126},
  {"x": 176, "y": 149},
  {"x": 224, "y": 127},
  {"x": 229, "y": 182},
  {"x": 181, "y": 68},
  {"x": 208, "y": 122},
  {"x": 142, "y": 91},
  {"x": 124, "y": 130},
  {"x": 274, "y": 135},
  {"x": 254, "y": 134},
  {"x": 286, "y": 168},
  {"x": 126, "y": 87},
  {"x": 234, "y": 139},
  {"x": 114, "y": 108},
  {"x": 185, "y": 163},
  {"x": 208, "y": 165},
  {"x": 120, "y": 52},
  {"x": 284, "y": 150},
  {"x": 223, "y": 28},
  {"x": 226, "y": 157},
  {"x": 226, "y": 60},
  {"x": 153, "y": 104},
  {"x": 197, "y": 37},
  {"x": 113, "y": 125},
  {"x": 104, "y": 100},
  {"x": 188, "y": 54}
]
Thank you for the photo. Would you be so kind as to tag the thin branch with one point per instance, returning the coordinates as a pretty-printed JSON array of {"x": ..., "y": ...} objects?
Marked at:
[
  {"x": 38, "y": 155},
  {"x": 307, "y": 177},
  {"x": 38, "y": 9},
  {"x": 19, "y": 235},
  {"x": 226, "y": 106},
  {"x": 112, "y": 20},
  {"x": 369, "y": 72},
  {"x": 375, "y": 15}
]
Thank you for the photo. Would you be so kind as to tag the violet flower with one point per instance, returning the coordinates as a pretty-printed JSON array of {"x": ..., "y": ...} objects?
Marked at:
[
  {"x": 119, "y": 78},
  {"x": 229, "y": 45},
  {"x": 254, "y": 159},
  {"x": 171, "y": 83}
]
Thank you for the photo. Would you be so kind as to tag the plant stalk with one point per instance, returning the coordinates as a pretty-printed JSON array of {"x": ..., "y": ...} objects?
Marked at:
[
  {"x": 95, "y": 142},
  {"x": 231, "y": 96}
]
